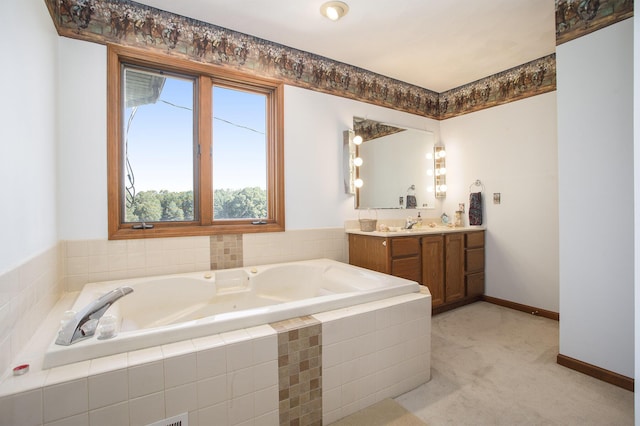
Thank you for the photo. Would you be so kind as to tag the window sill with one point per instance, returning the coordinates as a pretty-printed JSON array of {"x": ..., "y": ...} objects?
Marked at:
[{"x": 160, "y": 231}]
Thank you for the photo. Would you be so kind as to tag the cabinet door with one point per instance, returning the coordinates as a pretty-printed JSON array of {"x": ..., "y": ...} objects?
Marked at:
[
  {"x": 475, "y": 284},
  {"x": 454, "y": 267},
  {"x": 407, "y": 267},
  {"x": 475, "y": 239},
  {"x": 432, "y": 267},
  {"x": 405, "y": 246},
  {"x": 475, "y": 260},
  {"x": 369, "y": 252}
]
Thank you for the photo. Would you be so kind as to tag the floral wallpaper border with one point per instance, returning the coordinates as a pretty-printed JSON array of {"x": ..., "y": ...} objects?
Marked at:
[
  {"x": 576, "y": 18},
  {"x": 129, "y": 23}
]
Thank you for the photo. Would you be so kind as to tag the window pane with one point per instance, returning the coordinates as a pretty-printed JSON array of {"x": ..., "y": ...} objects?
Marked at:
[
  {"x": 158, "y": 151},
  {"x": 239, "y": 154}
]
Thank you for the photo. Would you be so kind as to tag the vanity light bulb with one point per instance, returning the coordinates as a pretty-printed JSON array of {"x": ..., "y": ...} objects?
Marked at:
[
  {"x": 429, "y": 156},
  {"x": 443, "y": 188},
  {"x": 357, "y": 140},
  {"x": 443, "y": 153},
  {"x": 358, "y": 183},
  {"x": 437, "y": 172},
  {"x": 430, "y": 189},
  {"x": 429, "y": 172},
  {"x": 443, "y": 170},
  {"x": 357, "y": 161}
]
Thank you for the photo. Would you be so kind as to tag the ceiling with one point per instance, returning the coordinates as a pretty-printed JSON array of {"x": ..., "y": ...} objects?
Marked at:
[{"x": 434, "y": 44}]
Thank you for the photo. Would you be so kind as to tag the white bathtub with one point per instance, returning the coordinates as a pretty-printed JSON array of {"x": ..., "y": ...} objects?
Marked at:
[{"x": 171, "y": 308}]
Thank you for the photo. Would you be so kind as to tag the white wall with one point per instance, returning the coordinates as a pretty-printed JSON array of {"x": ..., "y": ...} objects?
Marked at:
[
  {"x": 82, "y": 150},
  {"x": 28, "y": 117},
  {"x": 636, "y": 163},
  {"x": 595, "y": 156},
  {"x": 511, "y": 149}
]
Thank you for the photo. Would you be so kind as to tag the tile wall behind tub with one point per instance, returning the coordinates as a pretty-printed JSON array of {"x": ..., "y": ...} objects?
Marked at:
[
  {"x": 103, "y": 260},
  {"x": 289, "y": 246},
  {"x": 88, "y": 261},
  {"x": 27, "y": 294}
]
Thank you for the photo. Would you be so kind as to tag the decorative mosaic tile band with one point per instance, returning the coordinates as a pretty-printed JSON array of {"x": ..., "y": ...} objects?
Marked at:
[
  {"x": 300, "y": 371},
  {"x": 226, "y": 251},
  {"x": 577, "y": 18}
]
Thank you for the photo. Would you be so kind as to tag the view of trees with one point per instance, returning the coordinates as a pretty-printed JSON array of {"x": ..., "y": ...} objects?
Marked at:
[{"x": 154, "y": 206}]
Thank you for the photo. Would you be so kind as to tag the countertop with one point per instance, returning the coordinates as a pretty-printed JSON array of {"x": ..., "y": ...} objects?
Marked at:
[{"x": 423, "y": 230}]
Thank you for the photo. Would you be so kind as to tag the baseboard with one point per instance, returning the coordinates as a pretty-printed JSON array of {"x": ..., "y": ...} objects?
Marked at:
[
  {"x": 453, "y": 305},
  {"x": 599, "y": 373},
  {"x": 520, "y": 307}
]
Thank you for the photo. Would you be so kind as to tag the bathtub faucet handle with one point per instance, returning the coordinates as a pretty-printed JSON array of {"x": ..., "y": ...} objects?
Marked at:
[{"x": 83, "y": 325}]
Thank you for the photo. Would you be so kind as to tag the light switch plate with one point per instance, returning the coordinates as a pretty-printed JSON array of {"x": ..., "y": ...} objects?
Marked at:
[{"x": 496, "y": 198}]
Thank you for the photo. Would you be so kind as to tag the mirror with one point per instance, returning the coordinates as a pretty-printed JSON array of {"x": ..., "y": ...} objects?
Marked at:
[{"x": 396, "y": 162}]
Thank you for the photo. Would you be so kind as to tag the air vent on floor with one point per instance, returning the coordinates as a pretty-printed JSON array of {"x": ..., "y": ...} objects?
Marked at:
[{"x": 179, "y": 420}]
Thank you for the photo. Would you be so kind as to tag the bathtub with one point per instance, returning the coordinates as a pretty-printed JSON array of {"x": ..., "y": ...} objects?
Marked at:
[{"x": 167, "y": 309}]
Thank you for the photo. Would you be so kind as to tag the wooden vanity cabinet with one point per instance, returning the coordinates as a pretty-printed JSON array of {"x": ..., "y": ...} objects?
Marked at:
[
  {"x": 474, "y": 263},
  {"x": 399, "y": 256},
  {"x": 443, "y": 267},
  {"x": 369, "y": 252},
  {"x": 454, "y": 267},
  {"x": 433, "y": 267},
  {"x": 450, "y": 264},
  {"x": 405, "y": 258}
]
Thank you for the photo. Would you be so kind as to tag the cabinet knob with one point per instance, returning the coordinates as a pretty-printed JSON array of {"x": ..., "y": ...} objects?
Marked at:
[{"x": 384, "y": 243}]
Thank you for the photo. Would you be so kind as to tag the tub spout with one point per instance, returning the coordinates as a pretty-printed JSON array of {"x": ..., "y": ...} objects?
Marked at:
[{"x": 83, "y": 324}]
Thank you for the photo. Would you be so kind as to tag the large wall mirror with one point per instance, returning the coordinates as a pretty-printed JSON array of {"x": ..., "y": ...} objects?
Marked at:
[{"x": 396, "y": 163}]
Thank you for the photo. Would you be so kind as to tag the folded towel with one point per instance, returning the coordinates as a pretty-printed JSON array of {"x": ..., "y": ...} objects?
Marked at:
[{"x": 475, "y": 208}]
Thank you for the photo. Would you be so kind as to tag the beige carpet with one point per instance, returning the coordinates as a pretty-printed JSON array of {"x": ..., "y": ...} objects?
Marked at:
[
  {"x": 493, "y": 366},
  {"x": 385, "y": 413}
]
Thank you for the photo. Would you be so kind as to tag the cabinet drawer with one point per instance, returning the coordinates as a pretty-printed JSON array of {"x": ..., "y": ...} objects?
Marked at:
[
  {"x": 405, "y": 247},
  {"x": 475, "y": 284},
  {"x": 475, "y": 239},
  {"x": 407, "y": 267},
  {"x": 474, "y": 260}
]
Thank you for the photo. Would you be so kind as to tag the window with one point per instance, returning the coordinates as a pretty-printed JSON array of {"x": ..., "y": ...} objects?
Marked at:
[{"x": 192, "y": 149}]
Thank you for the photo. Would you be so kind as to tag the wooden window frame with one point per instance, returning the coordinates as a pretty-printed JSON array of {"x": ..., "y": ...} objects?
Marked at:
[{"x": 207, "y": 76}]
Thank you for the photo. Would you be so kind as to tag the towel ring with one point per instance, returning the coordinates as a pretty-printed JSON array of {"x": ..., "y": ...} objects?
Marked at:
[{"x": 477, "y": 183}]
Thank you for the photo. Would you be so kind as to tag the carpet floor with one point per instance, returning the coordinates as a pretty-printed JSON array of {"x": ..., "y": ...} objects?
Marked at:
[
  {"x": 385, "y": 413},
  {"x": 492, "y": 365}
]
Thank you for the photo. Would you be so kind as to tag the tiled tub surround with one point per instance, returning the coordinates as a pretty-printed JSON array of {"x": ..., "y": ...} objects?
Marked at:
[
  {"x": 27, "y": 294},
  {"x": 368, "y": 352},
  {"x": 373, "y": 352},
  {"x": 300, "y": 370},
  {"x": 88, "y": 261},
  {"x": 169, "y": 308},
  {"x": 29, "y": 291}
]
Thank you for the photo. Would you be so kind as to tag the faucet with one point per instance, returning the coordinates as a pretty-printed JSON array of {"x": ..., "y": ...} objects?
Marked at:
[
  {"x": 83, "y": 325},
  {"x": 410, "y": 222}
]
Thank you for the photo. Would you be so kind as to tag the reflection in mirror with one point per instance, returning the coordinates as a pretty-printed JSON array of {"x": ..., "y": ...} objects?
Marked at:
[{"x": 396, "y": 162}]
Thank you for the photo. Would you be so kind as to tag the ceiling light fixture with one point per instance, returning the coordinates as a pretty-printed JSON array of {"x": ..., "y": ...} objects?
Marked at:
[{"x": 334, "y": 10}]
